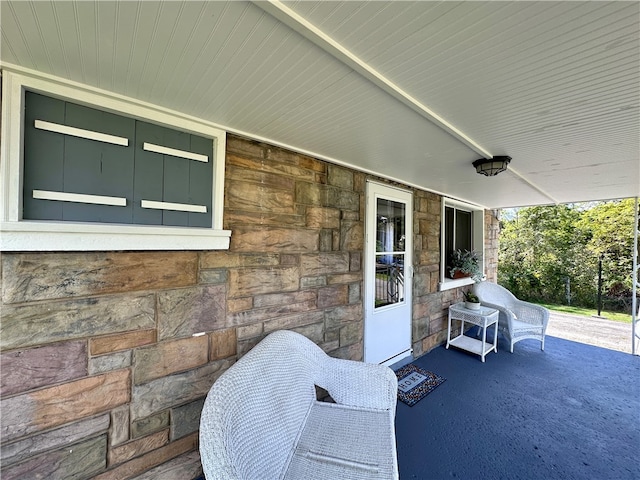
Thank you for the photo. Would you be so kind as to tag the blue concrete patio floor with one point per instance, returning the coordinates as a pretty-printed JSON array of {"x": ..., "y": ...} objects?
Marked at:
[{"x": 570, "y": 412}]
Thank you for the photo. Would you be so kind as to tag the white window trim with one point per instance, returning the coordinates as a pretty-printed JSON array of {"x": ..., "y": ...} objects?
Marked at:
[
  {"x": 17, "y": 234},
  {"x": 477, "y": 239}
]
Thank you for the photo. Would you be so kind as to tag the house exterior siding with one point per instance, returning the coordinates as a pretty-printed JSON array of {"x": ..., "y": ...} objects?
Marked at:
[{"x": 107, "y": 356}]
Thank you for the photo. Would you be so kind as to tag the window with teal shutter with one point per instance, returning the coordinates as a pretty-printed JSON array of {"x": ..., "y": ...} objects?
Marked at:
[{"x": 82, "y": 164}]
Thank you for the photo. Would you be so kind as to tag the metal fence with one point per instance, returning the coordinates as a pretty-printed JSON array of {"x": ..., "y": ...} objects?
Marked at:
[{"x": 389, "y": 284}]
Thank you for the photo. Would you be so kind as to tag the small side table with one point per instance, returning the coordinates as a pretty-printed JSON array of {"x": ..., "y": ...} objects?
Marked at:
[{"x": 483, "y": 317}]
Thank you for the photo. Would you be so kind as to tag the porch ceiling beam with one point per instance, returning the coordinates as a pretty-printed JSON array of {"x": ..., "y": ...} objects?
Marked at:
[
  {"x": 533, "y": 185},
  {"x": 305, "y": 28},
  {"x": 308, "y": 30}
]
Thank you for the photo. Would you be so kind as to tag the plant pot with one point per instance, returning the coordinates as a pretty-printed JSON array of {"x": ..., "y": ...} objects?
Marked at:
[
  {"x": 472, "y": 305},
  {"x": 459, "y": 274}
]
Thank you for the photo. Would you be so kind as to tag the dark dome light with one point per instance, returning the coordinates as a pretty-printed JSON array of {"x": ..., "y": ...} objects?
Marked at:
[{"x": 491, "y": 166}]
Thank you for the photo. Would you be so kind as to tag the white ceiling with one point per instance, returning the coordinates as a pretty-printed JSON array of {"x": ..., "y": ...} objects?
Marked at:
[{"x": 413, "y": 91}]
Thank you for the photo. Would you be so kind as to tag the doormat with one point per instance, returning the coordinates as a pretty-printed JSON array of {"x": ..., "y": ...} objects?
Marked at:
[{"x": 414, "y": 383}]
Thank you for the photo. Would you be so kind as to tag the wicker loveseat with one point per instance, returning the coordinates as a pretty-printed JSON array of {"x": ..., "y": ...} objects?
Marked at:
[
  {"x": 261, "y": 419},
  {"x": 518, "y": 319}
]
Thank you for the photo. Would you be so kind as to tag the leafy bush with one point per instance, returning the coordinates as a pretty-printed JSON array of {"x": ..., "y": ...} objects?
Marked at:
[{"x": 550, "y": 254}]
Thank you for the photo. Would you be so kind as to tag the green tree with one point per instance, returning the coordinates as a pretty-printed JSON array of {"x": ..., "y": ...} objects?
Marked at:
[
  {"x": 610, "y": 225},
  {"x": 546, "y": 252},
  {"x": 542, "y": 254}
]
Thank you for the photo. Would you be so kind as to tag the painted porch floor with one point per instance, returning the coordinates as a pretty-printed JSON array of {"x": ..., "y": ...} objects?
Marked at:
[{"x": 570, "y": 412}]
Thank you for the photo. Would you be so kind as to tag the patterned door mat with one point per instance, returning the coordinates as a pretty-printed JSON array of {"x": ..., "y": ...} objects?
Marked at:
[{"x": 415, "y": 383}]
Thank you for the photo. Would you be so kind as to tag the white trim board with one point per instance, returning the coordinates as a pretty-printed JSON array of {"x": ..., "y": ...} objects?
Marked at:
[{"x": 71, "y": 236}]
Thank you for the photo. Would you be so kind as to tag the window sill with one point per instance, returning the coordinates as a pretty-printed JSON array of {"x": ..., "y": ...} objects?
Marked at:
[
  {"x": 27, "y": 236},
  {"x": 449, "y": 284}
]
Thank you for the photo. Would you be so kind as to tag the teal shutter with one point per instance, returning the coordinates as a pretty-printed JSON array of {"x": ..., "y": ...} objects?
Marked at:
[
  {"x": 98, "y": 168},
  {"x": 43, "y": 157},
  {"x": 59, "y": 162}
]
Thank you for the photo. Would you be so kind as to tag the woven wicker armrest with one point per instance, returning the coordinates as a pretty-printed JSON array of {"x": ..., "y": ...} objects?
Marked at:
[
  {"x": 531, "y": 313},
  {"x": 361, "y": 384},
  {"x": 506, "y": 313}
]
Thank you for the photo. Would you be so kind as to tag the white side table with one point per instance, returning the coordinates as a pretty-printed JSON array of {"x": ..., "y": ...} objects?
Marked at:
[{"x": 483, "y": 317}]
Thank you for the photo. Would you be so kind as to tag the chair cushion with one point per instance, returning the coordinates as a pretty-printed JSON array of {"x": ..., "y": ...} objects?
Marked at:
[
  {"x": 327, "y": 449},
  {"x": 520, "y": 327}
]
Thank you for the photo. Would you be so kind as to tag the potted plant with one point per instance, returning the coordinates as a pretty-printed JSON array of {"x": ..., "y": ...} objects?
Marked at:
[
  {"x": 465, "y": 263},
  {"x": 471, "y": 301}
]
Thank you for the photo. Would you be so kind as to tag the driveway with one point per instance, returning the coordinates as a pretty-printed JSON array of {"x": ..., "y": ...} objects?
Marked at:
[{"x": 590, "y": 330}]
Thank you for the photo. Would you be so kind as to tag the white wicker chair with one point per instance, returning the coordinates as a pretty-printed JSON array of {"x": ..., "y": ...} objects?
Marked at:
[
  {"x": 518, "y": 319},
  {"x": 261, "y": 419}
]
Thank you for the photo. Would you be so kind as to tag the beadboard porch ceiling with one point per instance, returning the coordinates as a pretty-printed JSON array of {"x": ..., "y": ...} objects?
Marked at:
[{"x": 413, "y": 91}]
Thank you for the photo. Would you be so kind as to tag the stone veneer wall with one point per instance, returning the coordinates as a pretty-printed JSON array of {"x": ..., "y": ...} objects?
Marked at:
[
  {"x": 101, "y": 374},
  {"x": 491, "y": 243}
]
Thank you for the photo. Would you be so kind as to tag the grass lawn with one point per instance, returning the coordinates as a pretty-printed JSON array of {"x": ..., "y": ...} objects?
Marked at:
[{"x": 587, "y": 312}]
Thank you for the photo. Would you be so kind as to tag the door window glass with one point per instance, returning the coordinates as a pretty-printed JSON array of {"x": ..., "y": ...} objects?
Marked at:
[{"x": 390, "y": 252}]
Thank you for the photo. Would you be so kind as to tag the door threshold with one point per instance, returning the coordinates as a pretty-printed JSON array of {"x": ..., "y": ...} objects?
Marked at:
[{"x": 399, "y": 360}]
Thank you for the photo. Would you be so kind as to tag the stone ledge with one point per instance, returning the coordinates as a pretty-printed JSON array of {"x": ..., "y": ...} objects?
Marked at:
[
  {"x": 152, "y": 459},
  {"x": 184, "y": 467}
]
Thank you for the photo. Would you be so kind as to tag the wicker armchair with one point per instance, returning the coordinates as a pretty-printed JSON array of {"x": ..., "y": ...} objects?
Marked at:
[
  {"x": 518, "y": 319},
  {"x": 261, "y": 419}
]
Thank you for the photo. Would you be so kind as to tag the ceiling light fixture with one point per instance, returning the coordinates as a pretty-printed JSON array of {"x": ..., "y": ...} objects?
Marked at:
[{"x": 491, "y": 166}]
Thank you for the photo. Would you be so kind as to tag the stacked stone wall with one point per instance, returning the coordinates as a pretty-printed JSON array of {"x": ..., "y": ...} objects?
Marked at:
[
  {"x": 491, "y": 243},
  {"x": 106, "y": 357}
]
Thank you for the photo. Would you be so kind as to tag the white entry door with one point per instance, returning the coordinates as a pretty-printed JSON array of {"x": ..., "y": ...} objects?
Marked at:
[{"x": 388, "y": 274}]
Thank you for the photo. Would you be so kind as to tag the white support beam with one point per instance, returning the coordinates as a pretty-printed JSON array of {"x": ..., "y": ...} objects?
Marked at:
[
  {"x": 308, "y": 30},
  {"x": 635, "y": 309}
]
